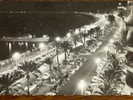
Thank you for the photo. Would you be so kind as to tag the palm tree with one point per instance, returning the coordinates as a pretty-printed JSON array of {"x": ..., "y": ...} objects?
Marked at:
[
  {"x": 121, "y": 14},
  {"x": 66, "y": 46},
  {"x": 28, "y": 67},
  {"x": 110, "y": 78},
  {"x": 75, "y": 39},
  {"x": 8, "y": 79},
  {"x": 49, "y": 62},
  {"x": 118, "y": 46},
  {"x": 111, "y": 18},
  {"x": 84, "y": 35},
  {"x": 57, "y": 43},
  {"x": 92, "y": 32},
  {"x": 98, "y": 31}
]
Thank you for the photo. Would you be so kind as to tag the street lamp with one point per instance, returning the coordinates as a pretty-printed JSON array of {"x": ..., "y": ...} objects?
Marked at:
[
  {"x": 16, "y": 56},
  {"x": 106, "y": 48},
  {"x": 46, "y": 37},
  {"x": 116, "y": 36},
  {"x": 26, "y": 43},
  {"x": 111, "y": 41},
  {"x": 76, "y": 31},
  {"x": 68, "y": 35},
  {"x": 97, "y": 60},
  {"x": 82, "y": 85},
  {"x": 42, "y": 46},
  {"x": 34, "y": 45},
  {"x": 57, "y": 39},
  {"x": 30, "y": 36}
]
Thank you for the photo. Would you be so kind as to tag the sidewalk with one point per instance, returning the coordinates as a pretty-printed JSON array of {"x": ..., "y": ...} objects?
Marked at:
[{"x": 87, "y": 70}]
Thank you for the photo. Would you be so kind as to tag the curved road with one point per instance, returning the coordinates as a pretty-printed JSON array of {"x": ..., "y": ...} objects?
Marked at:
[{"x": 88, "y": 69}]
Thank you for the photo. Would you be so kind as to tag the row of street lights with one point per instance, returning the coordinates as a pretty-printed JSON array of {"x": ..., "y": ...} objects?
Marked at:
[{"x": 82, "y": 85}]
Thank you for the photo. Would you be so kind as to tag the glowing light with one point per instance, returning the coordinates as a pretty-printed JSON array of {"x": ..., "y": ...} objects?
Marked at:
[
  {"x": 42, "y": 46},
  {"x": 115, "y": 36},
  {"x": 68, "y": 35},
  {"x": 10, "y": 46},
  {"x": 16, "y": 56},
  {"x": 26, "y": 44},
  {"x": 98, "y": 60},
  {"x": 76, "y": 31},
  {"x": 57, "y": 39},
  {"x": 111, "y": 41},
  {"x": 106, "y": 48},
  {"x": 33, "y": 45},
  {"x": 30, "y": 36},
  {"x": 119, "y": 4},
  {"x": 82, "y": 85},
  {"x": 46, "y": 37},
  {"x": 82, "y": 29}
]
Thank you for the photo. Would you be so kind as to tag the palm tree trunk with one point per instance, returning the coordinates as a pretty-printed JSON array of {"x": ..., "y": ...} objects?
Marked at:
[
  {"x": 81, "y": 38},
  {"x": 65, "y": 56},
  {"x": 75, "y": 43},
  {"x": 58, "y": 58},
  {"x": 51, "y": 72},
  {"x": 28, "y": 84},
  {"x": 84, "y": 41},
  {"x": 7, "y": 91}
]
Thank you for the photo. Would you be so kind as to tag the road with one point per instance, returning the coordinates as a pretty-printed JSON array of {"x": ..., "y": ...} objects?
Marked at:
[
  {"x": 23, "y": 39},
  {"x": 87, "y": 70},
  {"x": 36, "y": 54}
]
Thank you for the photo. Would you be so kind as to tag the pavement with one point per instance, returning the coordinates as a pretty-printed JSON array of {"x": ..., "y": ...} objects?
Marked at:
[{"x": 87, "y": 71}]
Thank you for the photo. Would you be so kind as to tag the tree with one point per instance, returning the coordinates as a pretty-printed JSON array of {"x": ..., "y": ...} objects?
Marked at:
[
  {"x": 8, "y": 79},
  {"x": 49, "y": 62},
  {"x": 118, "y": 46},
  {"x": 111, "y": 18},
  {"x": 121, "y": 14},
  {"x": 92, "y": 32},
  {"x": 57, "y": 43},
  {"x": 75, "y": 39},
  {"x": 98, "y": 31},
  {"x": 109, "y": 81},
  {"x": 84, "y": 35},
  {"x": 66, "y": 46},
  {"x": 28, "y": 67}
]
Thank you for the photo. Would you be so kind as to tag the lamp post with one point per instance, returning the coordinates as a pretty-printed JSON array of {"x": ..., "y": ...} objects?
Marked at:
[
  {"x": 76, "y": 33},
  {"x": 41, "y": 46},
  {"x": 106, "y": 49},
  {"x": 84, "y": 37},
  {"x": 98, "y": 60},
  {"x": 57, "y": 39},
  {"x": 68, "y": 35},
  {"x": 16, "y": 56},
  {"x": 82, "y": 85},
  {"x": 111, "y": 41}
]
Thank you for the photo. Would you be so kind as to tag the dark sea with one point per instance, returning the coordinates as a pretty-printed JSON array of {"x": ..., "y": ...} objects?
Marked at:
[{"x": 38, "y": 24}]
